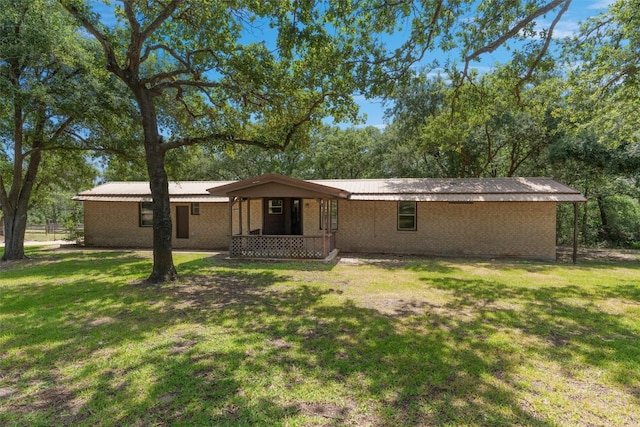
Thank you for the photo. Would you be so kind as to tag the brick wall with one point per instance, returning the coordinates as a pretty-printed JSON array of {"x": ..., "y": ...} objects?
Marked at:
[
  {"x": 250, "y": 213},
  {"x": 311, "y": 217},
  {"x": 116, "y": 224},
  {"x": 501, "y": 229},
  {"x": 505, "y": 229}
]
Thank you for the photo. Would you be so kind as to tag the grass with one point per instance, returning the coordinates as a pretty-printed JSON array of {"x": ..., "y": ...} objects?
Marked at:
[
  {"x": 39, "y": 235},
  {"x": 399, "y": 341}
]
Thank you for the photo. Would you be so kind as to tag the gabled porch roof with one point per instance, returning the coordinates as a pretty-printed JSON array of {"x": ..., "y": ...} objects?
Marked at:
[{"x": 275, "y": 185}]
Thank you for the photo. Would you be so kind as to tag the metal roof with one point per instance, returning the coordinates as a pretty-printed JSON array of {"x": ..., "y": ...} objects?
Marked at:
[
  {"x": 456, "y": 190},
  {"x": 139, "y": 191}
]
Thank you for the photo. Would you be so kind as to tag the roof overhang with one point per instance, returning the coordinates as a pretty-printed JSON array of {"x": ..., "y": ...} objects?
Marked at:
[
  {"x": 472, "y": 198},
  {"x": 141, "y": 198},
  {"x": 140, "y": 191},
  {"x": 459, "y": 190},
  {"x": 275, "y": 185},
  {"x": 466, "y": 190}
]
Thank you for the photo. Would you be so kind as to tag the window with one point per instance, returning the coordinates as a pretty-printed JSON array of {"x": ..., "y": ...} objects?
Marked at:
[
  {"x": 195, "y": 208},
  {"x": 334, "y": 214},
  {"x": 406, "y": 215},
  {"x": 146, "y": 214},
  {"x": 276, "y": 206}
]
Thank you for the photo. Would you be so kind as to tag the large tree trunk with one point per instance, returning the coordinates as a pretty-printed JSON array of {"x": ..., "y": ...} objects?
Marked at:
[
  {"x": 14, "y": 229},
  {"x": 163, "y": 267},
  {"x": 16, "y": 205}
]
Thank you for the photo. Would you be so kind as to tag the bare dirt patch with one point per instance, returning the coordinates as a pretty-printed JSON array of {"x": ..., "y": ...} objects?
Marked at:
[
  {"x": 325, "y": 410},
  {"x": 7, "y": 392}
]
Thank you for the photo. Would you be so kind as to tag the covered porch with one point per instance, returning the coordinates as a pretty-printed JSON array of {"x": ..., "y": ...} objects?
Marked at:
[{"x": 274, "y": 216}]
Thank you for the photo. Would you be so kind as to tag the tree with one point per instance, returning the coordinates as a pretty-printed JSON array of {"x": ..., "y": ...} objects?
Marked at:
[
  {"x": 608, "y": 177},
  {"x": 47, "y": 99},
  {"x": 62, "y": 174},
  {"x": 193, "y": 86},
  {"x": 605, "y": 74},
  {"x": 336, "y": 153},
  {"x": 244, "y": 162},
  {"x": 485, "y": 126},
  {"x": 600, "y": 150},
  {"x": 198, "y": 75}
]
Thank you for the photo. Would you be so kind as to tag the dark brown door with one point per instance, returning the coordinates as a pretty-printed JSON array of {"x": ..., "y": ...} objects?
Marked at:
[
  {"x": 296, "y": 217},
  {"x": 182, "y": 222},
  {"x": 282, "y": 216},
  {"x": 275, "y": 214}
]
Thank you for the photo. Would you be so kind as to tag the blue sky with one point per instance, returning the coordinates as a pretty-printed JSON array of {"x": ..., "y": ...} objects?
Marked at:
[{"x": 579, "y": 11}]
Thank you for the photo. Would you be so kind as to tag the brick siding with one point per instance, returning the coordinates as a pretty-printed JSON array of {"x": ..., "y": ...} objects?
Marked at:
[
  {"x": 116, "y": 224},
  {"x": 500, "y": 229}
]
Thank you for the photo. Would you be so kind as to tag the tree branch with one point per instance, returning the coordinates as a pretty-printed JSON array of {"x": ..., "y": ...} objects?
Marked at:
[
  {"x": 434, "y": 20},
  {"x": 112, "y": 62},
  {"x": 226, "y": 138},
  {"x": 175, "y": 84},
  {"x": 131, "y": 17},
  {"x": 544, "y": 49},
  {"x": 4, "y": 199},
  {"x": 162, "y": 16},
  {"x": 305, "y": 119},
  {"x": 166, "y": 48},
  {"x": 89, "y": 147},
  {"x": 515, "y": 30},
  {"x": 184, "y": 60}
]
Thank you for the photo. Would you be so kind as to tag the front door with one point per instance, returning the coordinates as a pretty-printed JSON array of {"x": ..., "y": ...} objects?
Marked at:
[
  {"x": 182, "y": 222},
  {"x": 296, "y": 217},
  {"x": 282, "y": 216}
]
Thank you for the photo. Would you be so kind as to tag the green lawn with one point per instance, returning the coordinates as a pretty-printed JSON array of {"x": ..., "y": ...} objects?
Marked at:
[
  {"x": 401, "y": 341},
  {"x": 39, "y": 235}
]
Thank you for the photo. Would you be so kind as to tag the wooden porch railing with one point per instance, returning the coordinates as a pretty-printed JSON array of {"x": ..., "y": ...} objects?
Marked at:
[{"x": 266, "y": 246}]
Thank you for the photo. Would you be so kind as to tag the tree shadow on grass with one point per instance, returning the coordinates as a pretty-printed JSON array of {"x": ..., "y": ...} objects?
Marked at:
[
  {"x": 61, "y": 333},
  {"x": 235, "y": 347},
  {"x": 569, "y": 322},
  {"x": 545, "y": 266},
  {"x": 229, "y": 348},
  {"x": 445, "y": 265}
]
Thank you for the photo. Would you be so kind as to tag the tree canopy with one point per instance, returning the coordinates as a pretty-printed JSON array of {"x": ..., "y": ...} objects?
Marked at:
[
  {"x": 52, "y": 97},
  {"x": 605, "y": 76}
]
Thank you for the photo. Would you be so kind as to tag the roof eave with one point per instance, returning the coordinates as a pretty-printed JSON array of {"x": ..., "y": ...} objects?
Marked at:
[{"x": 240, "y": 187}]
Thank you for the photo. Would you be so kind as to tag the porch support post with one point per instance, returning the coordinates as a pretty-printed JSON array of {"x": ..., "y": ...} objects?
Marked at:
[
  {"x": 240, "y": 214},
  {"x": 231, "y": 199},
  {"x": 325, "y": 229},
  {"x": 574, "y": 256},
  {"x": 329, "y": 225},
  {"x": 249, "y": 215}
]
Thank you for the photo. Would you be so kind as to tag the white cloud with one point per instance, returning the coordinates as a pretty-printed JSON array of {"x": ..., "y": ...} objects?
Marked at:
[
  {"x": 562, "y": 30},
  {"x": 566, "y": 29}
]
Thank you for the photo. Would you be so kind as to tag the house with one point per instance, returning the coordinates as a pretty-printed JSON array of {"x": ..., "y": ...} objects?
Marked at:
[{"x": 276, "y": 216}]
